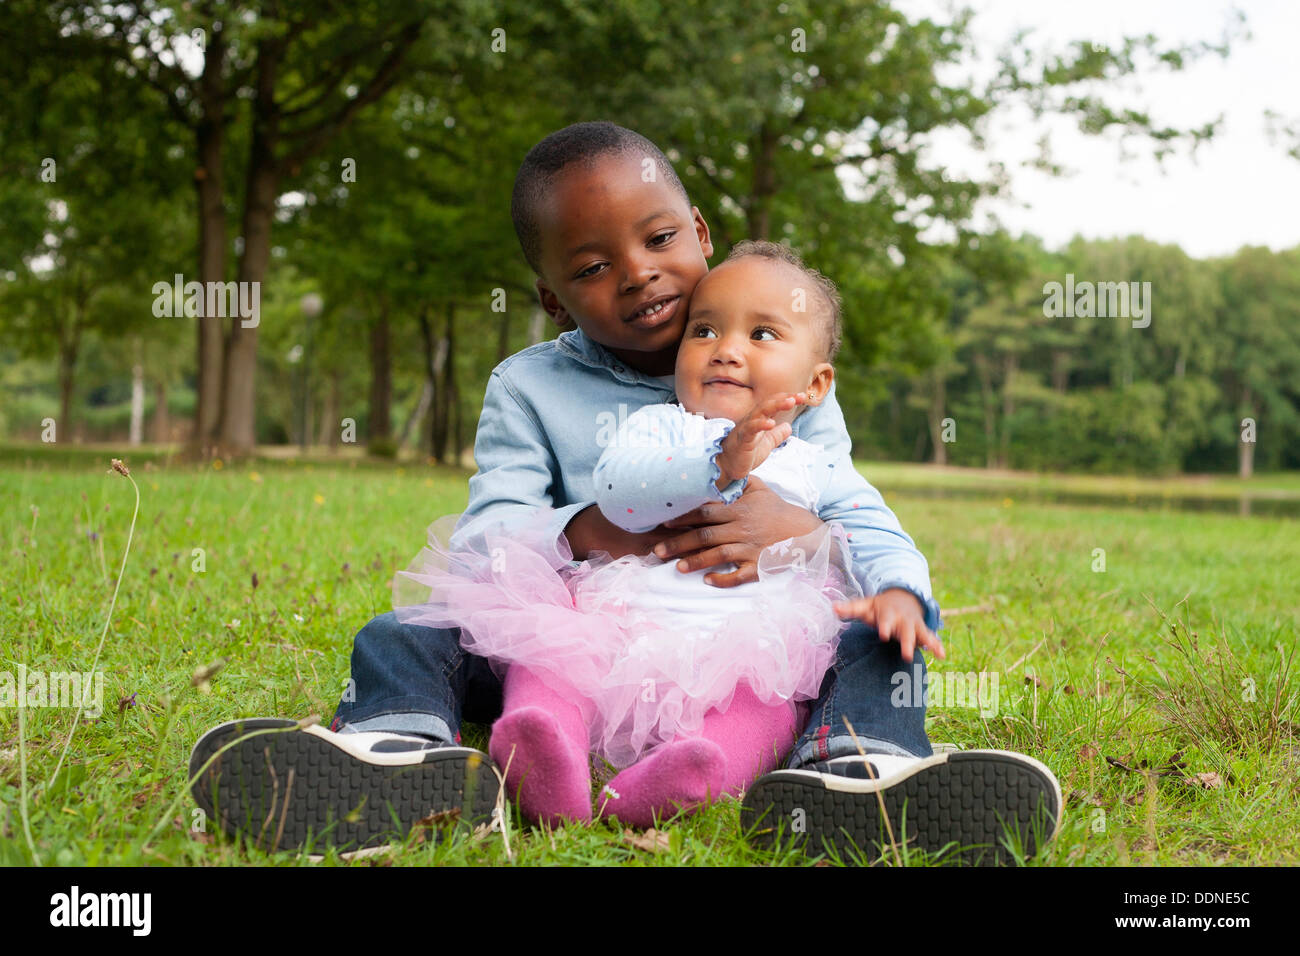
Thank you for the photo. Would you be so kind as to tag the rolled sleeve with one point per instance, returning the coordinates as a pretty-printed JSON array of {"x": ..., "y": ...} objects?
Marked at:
[{"x": 517, "y": 473}]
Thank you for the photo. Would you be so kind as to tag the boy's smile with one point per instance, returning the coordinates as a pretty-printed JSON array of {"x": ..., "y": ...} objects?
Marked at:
[{"x": 621, "y": 257}]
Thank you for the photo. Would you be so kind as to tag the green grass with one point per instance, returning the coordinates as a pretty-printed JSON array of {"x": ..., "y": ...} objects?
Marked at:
[
  {"x": 297, "y": 557},
  {"x": 904, "y": 475}
]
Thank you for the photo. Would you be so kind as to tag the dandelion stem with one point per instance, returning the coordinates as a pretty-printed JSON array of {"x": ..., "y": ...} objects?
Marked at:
[
  {"x": 103, "y": 635},
  {"x": 22, "y": 778}
]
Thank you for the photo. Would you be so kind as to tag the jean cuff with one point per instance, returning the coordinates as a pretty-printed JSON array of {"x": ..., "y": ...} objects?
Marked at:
[
  {"x": 842, "y": 745},
  {"x": 426, "y": 725}
]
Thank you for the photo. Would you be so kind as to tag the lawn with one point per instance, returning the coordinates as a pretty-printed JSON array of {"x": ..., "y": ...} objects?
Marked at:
[{"x": 1142, "y": 654}]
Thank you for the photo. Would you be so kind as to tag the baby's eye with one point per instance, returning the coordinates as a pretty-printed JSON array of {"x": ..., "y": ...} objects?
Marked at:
[
  {"x": 702, "y": 331},
  {"x": 758, "y": 333},
  {"x": 664, "y": 236}
]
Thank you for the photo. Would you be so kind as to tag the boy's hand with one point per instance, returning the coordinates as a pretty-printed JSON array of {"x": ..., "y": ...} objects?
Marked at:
[
  {"x": 896, "y": 614},
  {"x": 737, "y": 532},
  {"x": 589, "y": 530},
  {"x": 752, "y": 440}
]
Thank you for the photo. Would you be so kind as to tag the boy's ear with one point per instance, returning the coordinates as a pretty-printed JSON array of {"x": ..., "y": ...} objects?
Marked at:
[
  {"x": 820, "y": 385},
  {"x": 551, "y": 303},
  {"x": 702, "y": 231}
]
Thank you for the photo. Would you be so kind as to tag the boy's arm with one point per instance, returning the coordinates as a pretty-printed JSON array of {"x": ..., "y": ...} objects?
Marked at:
[
  {"x": 884, "y": 556},
  {"x": 517, "y": 472},
  {"x": 661, "y": 465}
]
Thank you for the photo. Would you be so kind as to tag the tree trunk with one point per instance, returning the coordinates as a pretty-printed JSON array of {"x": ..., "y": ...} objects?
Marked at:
[
  {"x": 536, "y": 326},
  {"x": 239, "y": 375},
  {"x": 938, "y": 401},
  {"x": 67, "y": 372},
  {"x": 422, "y": 404},
  {"x": 161, "y": 424},
  {"x": 136, "y": 433},
  {"x": 329, "y": 422},
  {"x": 446, "y": 425},
  {"x": 381, "y": 377},
  {"x": 453, "y": 391},
  {"x": 433, "y": 360},
  {"x": 758, "y": 212},
  {"x": 239, "y": 411},
  {"x": 1060, "y": 370},
  {"x": 1246, "y": 449},
  {"x": 503, "y": 337},
  {"x": 69, "y": 348},
  {"x": 209, "y": 183},
  {"x": 990, "y": 414},
  {"x": 1010, "y": 364}
]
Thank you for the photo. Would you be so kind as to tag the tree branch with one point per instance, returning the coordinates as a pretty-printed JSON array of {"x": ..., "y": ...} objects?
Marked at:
[{"x": 313, "y": 137}]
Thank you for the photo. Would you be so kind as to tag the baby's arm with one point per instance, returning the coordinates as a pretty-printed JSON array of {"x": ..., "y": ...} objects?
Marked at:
[
  {"x": 754, "y": 438},
  {"x": 661, "y": 464}
]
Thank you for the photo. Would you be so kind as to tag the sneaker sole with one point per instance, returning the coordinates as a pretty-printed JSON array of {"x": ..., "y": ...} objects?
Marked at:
[
  {"x": 297, "y": 789},
  {"x": 983, "y": 801}
]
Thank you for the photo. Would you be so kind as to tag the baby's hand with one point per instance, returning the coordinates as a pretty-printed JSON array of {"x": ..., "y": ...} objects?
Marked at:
[
  {"x": 752, "y": 440},
  {"x": 897, "y": 614}
]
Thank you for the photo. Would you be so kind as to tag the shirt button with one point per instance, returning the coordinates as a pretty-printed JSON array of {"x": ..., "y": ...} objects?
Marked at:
[{"x": 618, "y": 368}]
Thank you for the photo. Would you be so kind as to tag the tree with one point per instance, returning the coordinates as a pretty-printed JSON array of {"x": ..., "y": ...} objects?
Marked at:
[
  {"x": 1259, "y": 349},
  {"x": 306, "y": 78},
  {"x": 93, "y": 209}
]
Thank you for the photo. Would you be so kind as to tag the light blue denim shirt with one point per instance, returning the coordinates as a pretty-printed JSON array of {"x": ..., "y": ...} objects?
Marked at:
[{"x": 552, "y": 409}]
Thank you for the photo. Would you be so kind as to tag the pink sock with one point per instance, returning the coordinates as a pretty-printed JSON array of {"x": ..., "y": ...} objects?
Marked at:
[
  {"x": 753, "y": 735},
  {"x": 540, "y": 742},
  {"x": 678, "y": 775},
  {"x": 731, "y": 750}
]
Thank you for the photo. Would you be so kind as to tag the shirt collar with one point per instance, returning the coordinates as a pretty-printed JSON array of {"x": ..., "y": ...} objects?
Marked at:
[{"x": 577, "y": 346}]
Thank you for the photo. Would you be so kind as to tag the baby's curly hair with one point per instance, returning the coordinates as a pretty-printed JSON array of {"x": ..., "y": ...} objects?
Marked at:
[{"x": 829, "y": 315}]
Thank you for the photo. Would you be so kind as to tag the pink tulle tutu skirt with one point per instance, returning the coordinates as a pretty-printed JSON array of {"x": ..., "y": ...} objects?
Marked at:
[{"x": 652, "y": 648}]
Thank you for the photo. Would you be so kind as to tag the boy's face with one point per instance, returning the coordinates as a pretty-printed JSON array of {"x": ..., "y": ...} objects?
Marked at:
[
  {"x": 613, "y": 245},
  {"x": 745, "y": 343}
]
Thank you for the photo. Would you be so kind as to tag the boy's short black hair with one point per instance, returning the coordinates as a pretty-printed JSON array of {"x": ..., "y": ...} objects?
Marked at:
[
  {"x": 830, "y": 317},
  {"x": 581, "y": 142}
]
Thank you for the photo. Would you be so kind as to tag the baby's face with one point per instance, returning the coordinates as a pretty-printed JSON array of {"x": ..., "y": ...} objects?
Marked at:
[{"x": 745, "y": 343}]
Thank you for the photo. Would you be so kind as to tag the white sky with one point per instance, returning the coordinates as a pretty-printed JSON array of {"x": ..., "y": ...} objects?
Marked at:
[{"x": 1239, "y": 190}]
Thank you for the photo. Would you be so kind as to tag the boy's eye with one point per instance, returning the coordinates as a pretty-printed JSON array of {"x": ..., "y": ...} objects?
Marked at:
[
  {"x": 664, "y": 236},
  {"x": 587, "y": 271},
  {"x": 760, "y": 332}
]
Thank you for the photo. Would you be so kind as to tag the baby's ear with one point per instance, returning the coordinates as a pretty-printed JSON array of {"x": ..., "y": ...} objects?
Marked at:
[{"x": 820, "y": 386}]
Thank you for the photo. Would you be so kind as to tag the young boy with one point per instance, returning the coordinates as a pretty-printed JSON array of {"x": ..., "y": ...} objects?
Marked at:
[{"x": 617, "y": 247}]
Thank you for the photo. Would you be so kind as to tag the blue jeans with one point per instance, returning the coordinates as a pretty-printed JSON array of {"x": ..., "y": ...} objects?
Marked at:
[{"x": 419, "y": 680}]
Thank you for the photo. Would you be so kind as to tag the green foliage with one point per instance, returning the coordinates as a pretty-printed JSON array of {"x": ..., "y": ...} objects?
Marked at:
[
  {"x": 808, "y": 123},
  {"x": 1097, "y": 393}
]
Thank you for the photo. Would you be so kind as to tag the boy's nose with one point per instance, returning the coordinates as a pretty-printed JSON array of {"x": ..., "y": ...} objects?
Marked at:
[{"x": 638, "y": 273}]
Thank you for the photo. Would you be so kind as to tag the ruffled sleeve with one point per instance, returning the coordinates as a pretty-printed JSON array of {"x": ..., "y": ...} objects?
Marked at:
[{"x": 662, "y": 463}]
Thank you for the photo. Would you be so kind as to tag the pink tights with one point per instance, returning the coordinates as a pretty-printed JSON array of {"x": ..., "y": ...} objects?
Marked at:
[{"x": 540, "y": 741}]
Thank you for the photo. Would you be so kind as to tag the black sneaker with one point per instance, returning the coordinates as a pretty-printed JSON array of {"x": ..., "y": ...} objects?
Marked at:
[
  {"x": 973, "y": 807},
  {"x": 293, "y": 787}
]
